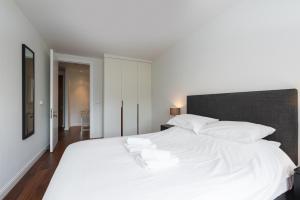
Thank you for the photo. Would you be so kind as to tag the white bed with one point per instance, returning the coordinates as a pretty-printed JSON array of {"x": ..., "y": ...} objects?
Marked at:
[{"x": 209, "y": 168}]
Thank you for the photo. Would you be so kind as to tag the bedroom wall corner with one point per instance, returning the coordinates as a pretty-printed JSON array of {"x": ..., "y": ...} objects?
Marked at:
[
  {"x": 252, "y": 46},
  {"x": 17, "y": 155}
]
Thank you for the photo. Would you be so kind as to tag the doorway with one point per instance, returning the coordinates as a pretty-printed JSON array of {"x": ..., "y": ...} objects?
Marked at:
[
  {"x": 74, "y": 97},
  {"x": 94, "y": 115}
]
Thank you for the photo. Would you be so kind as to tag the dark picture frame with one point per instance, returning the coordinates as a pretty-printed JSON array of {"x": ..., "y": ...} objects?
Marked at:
[{"x": 28, "y": 91}]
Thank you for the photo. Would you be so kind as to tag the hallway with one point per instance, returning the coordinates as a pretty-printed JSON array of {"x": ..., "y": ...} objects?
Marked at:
[{"x": 35, "y": 182}]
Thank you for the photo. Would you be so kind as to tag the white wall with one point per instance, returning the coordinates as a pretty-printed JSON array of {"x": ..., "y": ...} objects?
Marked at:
[
  {"x": 16, "y": 155},
  {"x": 79, "y": 94},
  {"x": 96, "y": 94},
  {"x": 255, "y": 45}
]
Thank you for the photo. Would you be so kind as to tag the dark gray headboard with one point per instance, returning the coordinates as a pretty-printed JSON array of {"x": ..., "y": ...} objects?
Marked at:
[{"x": 275, "y": 108}]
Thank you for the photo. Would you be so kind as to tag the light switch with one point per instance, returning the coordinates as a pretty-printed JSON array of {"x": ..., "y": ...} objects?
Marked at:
[{"x": 41, "y": 102}]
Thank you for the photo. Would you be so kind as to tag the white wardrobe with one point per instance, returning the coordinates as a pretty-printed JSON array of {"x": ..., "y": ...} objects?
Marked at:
[{"x": 127, "y": 96}]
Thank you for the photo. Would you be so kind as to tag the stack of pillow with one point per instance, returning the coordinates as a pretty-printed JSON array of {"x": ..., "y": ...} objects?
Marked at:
[{"x": 244, "y": 132}]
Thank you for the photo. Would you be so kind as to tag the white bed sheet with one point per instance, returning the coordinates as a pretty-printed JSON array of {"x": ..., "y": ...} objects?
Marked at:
[
  {"x": 208, "y": 169},
  {"x": 284, "y": 185}
]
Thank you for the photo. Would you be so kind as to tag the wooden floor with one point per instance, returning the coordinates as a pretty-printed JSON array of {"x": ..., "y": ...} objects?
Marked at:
[{"x": 34, "y": 184}]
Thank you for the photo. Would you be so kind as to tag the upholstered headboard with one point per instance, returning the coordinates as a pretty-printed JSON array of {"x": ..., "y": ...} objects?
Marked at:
[{"x": 275, "y": 108}]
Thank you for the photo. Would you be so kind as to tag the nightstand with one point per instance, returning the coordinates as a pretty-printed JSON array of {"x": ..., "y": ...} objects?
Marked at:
[
  {"x": 297, "y": 183},
  {"x": 165, "y": 126}
]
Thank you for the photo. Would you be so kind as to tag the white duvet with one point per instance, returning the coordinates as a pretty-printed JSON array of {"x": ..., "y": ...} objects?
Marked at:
[{"x": 208, "y": 169}]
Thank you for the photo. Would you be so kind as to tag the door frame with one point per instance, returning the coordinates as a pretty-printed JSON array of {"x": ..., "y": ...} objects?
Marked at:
[{"x": 85, "y": 61}]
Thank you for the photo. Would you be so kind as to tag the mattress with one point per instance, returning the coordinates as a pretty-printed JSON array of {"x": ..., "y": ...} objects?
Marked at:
[{"x": 209, "y": 168}]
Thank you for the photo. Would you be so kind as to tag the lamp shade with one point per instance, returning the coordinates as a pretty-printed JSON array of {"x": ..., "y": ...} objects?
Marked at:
[{"x": 174, "y": 111}]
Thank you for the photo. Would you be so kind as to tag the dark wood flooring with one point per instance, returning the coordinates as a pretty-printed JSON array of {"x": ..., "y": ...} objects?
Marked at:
[{"x": 35, "y": 182}]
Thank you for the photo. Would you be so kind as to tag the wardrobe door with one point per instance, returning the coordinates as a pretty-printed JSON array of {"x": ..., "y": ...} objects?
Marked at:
[
  {"x": 144, "y": 98},
  {"x": 112, "y": 97},
  {"x": 129, "y": 93}
]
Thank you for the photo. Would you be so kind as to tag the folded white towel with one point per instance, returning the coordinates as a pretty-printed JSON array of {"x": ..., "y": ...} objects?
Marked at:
[
  {"x": 138, "y": 148},
  {"x": 138, "y": 141},
  {"x": 155, "y": 154},
  {"x": 157, "y": 164}
]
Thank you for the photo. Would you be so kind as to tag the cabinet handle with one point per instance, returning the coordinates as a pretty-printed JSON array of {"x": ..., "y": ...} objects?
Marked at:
[
  {"x": 122, "y": 119},
  {"x": 137, "y": 119}
]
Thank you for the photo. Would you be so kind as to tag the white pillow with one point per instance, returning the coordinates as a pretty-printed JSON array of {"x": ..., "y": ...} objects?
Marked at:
[
  {"x": 244, "y": 132},
  {"x": 192, "y": 122},
  {"x": 270, "y": 142}
]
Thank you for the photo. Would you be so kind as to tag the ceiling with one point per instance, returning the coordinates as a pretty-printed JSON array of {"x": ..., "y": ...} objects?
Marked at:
[{"x": 134, "y": 28}]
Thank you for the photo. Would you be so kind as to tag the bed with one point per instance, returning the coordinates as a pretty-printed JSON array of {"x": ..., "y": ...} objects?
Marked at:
[{"x": 209, "y": 168}]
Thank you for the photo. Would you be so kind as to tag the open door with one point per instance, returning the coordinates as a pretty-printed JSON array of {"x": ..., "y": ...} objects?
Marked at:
[{"x": 53, "y": 101}]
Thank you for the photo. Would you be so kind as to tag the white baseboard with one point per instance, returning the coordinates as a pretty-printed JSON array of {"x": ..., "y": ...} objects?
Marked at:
[{"x": 6, "y": 188}]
